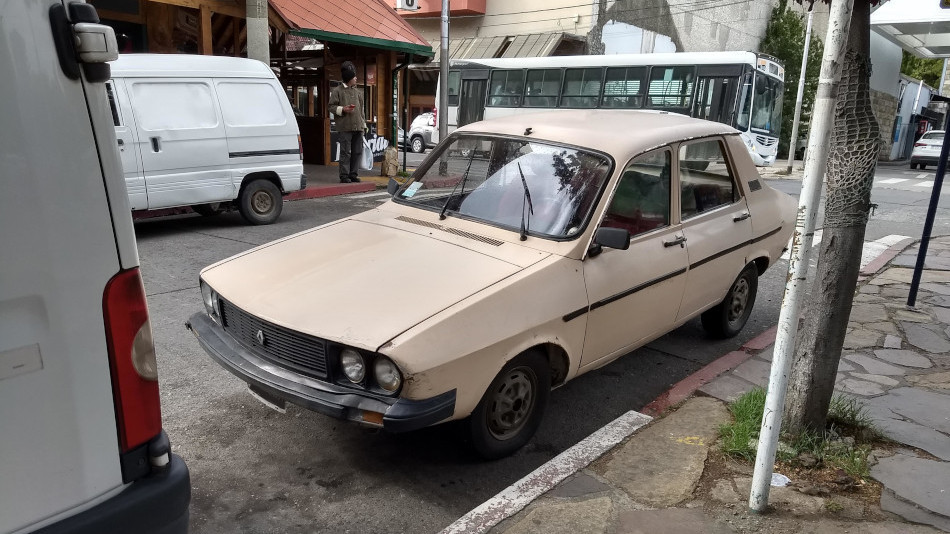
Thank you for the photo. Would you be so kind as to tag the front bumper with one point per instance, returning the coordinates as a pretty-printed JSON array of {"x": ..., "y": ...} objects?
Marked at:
[{"x": 399, "y": 415}]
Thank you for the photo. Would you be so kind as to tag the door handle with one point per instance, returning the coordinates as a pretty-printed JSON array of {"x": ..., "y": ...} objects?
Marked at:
[
  {"x": 156, "y": 144},
  {"x": 744, "y": 216},
  {"x": 677, "y": 240},
  {"x": 121, "y": 142}
]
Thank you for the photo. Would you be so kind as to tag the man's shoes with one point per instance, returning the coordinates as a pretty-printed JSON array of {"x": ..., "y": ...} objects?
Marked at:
[
  {"x": 344, "y": 180},
  {"x": 355, "y": 179}
]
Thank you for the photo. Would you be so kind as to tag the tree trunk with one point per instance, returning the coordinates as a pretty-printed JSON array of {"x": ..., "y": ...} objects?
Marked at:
[{"x": 851, "y": 163}]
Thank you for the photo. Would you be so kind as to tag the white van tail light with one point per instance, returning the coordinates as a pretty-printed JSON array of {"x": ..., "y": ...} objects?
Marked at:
[
  {"x": 131, "y": 360},
  {"x": 300, "y": 146}
]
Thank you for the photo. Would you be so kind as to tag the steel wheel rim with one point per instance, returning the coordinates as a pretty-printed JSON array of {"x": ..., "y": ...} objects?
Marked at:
[
  {"x": 417, "y": 145},
  {"x": 512, "y": 403},
  {"x": 261, "y": 202},
  {"x": 740, "y": 299}
]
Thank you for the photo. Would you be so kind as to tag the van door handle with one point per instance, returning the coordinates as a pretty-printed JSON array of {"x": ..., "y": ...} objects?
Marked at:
[
  {"x": 677, "y": 240},
  {"x": 744, "y": 216},
  {"x": 121, "y": 142},
  {"x": 156, "y": 144}
]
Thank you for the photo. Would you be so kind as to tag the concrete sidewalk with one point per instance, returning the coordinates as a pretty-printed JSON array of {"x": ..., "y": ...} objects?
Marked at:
[{"x": 896, "y": 360}]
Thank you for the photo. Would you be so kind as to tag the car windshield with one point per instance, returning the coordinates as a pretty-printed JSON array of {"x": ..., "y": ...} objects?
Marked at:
[{"x": 486, "y": 178}]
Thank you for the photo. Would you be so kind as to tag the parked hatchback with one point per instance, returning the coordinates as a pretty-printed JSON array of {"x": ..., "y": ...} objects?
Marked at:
[
  {"x": 423, "y": 132},
  {"x": 524, "y": 252},
  {"x": 927, "y": 149}
]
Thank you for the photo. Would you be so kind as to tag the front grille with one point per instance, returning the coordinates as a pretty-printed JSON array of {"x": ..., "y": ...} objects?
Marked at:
[
  {"x": 765, "y": 141},
  {"x": 287, "y": 348}
]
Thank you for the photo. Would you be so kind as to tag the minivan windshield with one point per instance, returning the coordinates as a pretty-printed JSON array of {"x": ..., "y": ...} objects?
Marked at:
[
  {"x": 506, "y": 182},
  {"x": 767, "y": 105}
]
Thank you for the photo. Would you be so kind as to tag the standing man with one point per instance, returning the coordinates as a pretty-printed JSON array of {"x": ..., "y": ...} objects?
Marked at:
[{"x": 346, "y": 102}]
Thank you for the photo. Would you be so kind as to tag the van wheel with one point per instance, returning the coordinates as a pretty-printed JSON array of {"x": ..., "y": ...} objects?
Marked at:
[
  {"x": 728, "y": 317},
  {"x": 207, "y": 210},
  {"x": 511, "y": 409},
  {"x": 416, "y": 145},
  {"x": 260, "y": 202}
]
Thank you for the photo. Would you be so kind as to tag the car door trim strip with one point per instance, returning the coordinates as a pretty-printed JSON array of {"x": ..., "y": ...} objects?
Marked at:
[
  {"x": 733, "y": 249},
  {"x": 254, "y": 153},
  {"x": 626, "y": 293}
]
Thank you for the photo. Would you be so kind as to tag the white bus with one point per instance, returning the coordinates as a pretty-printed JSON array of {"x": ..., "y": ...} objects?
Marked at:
[{"x": 741, "y": 89}]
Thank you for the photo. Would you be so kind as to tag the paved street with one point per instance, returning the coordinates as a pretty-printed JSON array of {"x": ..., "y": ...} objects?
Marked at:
[{"x": 256, "y": 470}]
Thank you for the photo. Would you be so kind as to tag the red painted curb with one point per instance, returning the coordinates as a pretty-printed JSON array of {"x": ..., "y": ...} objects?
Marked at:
[
  {"x": 331, "y": 190},
  {"x": 886, "y": 257},
  {"x": 761, "y": 341},
  {"x": 686, "y": 387}
]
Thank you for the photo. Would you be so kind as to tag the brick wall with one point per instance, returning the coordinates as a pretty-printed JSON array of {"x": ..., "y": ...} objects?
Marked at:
[{"x": 885, "y": 110}]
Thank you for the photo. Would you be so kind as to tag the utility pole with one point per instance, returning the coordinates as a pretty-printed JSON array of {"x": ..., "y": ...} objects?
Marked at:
[
  {"x": 444, "y": 73},
  {"x": 257, "y": 32},
  {"x": 793, "y": 144},
  {"x": 816, "y": 161}
]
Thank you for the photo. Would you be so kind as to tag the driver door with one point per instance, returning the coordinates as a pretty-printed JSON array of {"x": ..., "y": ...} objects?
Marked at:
[{"x": 635, "y": 294}]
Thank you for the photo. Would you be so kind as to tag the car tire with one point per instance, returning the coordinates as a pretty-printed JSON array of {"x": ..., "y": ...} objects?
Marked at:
[
  {"x": 727, "y": 318},
  {"x": 417, "y": 145},
  {"x": 923, "y": 166},
  {"x": 913, "y": 166},
  {"x": 260, "y": 202},
  {"x": 511, "y": 409},
  {"x": 208, "y": 210}
]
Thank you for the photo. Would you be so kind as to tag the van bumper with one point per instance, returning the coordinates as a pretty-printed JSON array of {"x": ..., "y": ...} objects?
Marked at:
[{"x": 157, "y": 504}]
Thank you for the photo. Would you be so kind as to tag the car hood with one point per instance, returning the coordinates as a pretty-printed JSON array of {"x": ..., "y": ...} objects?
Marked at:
[{"x": 355, "y": 282}]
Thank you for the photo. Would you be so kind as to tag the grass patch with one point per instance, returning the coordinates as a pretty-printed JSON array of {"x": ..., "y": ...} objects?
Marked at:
[{"x": 740, "y": 437}]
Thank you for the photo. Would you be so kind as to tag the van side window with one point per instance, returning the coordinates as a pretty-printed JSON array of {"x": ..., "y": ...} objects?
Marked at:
[
  {"x": 174, "y": 105},
  {"x": 266, "y": 111},
  {"x": 642, "y": 200},
  {"x": 110, "y": 92},
  {"x": 706, "y": 182}
]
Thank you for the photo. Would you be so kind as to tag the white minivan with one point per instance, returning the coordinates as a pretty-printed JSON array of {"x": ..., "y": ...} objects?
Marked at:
[
  {"x": 206, "y": 132},
  {"x": 82, "y": 448}
]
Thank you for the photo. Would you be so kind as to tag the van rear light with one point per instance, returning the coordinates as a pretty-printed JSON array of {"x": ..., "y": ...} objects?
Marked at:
[
  {"x": 300, "y": 146},
  {"x": 131, "y": 360}
]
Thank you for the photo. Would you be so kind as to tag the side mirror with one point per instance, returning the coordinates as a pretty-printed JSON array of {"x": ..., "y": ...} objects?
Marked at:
[
  {"x": 392, "y": 186},
  {"x": 617, "y": 238}
]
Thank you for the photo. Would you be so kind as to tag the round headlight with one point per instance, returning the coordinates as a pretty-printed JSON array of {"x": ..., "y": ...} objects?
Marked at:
[
  {"x": 210, "y": 299},
  {"x": 387, "y": 374},
  {"x": 353, "y": 366}
]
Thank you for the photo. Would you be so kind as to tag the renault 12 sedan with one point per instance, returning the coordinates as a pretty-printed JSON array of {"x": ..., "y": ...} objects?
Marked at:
[{"x": 524, "y": 252}]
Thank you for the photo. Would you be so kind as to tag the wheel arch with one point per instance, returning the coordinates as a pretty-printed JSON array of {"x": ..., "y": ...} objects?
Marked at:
[{"x": 270, "y": 176}]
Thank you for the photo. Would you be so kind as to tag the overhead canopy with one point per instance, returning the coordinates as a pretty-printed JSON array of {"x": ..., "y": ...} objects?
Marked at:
[
  {"x": 921, "y": 27},
  {"x": 368, "y": 23},
  {"x": 525, "y": 45}
]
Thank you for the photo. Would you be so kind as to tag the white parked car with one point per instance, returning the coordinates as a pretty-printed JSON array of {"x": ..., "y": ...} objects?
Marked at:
[
  {"x": 81, "y": 442},
  {"x": 523, "y": 252},
  {"x": 206, "y": 132},
  {"x": 927, "y": 149},
  {"x": 423, "y": 132}
]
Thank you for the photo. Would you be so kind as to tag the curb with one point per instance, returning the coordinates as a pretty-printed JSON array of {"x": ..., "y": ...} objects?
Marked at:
[
  {"x": 892, "y": 252},
  {"x": 330, "y": 191}
]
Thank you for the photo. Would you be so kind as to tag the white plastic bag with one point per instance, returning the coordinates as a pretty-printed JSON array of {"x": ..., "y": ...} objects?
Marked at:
[{"x": 366, "y": 162}]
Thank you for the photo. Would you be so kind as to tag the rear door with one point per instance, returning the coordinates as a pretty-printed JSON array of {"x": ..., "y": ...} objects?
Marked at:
[
  {"x": 59, "y": 450},
  {"x": 182, "y": 140}
]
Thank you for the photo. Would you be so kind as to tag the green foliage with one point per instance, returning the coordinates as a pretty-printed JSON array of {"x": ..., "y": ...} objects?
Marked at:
[
  {"x": 740, "y": 437},
  {"x": 928, "y": 70},
  {"x": 785, "y": 40}
]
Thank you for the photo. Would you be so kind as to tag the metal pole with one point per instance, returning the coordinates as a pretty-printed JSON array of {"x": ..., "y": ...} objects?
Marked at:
[
  {"x": 943, "y": 77},
  {"x": 444, "y": 73},
  {"x": 816, "y": 156},
  {"x": 920, "y": 85},
  {"x": 793, "y": 144},
  {"x": 931, "y": 214}
]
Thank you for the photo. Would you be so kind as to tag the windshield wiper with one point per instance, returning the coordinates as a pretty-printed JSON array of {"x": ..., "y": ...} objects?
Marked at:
[
  {"x": 461, "y": 182},
  {"x": 527, "y": 200}
]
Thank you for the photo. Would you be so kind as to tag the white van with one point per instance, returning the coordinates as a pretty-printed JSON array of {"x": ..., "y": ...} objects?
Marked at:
[
  {"x": 81, "y": 442},
  {"x": 206, "y": 132}
]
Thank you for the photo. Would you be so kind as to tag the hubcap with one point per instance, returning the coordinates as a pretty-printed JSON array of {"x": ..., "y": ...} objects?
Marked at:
[
  {"x": 261, "y": 202},
  {"x": 416, "y": 145},
  {"x": 740, "y": 298},
  {"x": 512, "y": 403}
]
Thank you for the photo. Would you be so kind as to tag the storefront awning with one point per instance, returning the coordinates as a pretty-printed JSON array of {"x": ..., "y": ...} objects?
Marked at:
[
  {"x": 525, "y": 45},
  {"x": 367, "y": 23},
  {"x": 920, "y": 27}
]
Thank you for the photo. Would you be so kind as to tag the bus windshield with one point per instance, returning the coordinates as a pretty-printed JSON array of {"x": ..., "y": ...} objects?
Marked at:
[{"x": 767, "y": 105}]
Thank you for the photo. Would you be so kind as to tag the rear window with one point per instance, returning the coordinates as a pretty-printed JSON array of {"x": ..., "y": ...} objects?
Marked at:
[
  {"x": 235, "y": 97},
  {"x": 933, "y": 136}
]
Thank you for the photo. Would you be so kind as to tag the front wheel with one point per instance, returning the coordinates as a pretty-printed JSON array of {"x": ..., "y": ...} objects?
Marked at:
[
  {"x": 510, "y": 411},
  {"x": 260, "y": 202},
  {"x": 727, "y": 318}
]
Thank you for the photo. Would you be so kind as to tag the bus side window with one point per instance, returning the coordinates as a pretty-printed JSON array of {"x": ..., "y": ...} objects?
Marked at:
[
  {"x": 671, "y": 87},
  {"x": 623, "y": 87},
  {"x": 506, "y": 88}
]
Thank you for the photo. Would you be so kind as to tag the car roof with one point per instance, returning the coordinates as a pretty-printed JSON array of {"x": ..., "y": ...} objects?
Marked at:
[
  {"x": 618, "y": 132},
  {"x": 188, "y": 65}
]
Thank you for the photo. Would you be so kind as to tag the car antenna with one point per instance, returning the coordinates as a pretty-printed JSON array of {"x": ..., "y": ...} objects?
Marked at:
[{"x": 527, "y": 199}]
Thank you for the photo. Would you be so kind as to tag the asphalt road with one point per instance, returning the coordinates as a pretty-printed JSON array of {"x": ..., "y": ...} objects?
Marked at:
[{"x": 256, "y": 470}]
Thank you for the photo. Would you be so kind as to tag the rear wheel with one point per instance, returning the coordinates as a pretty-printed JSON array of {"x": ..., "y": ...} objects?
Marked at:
[
  {"x": 511, "y": 409},
  {"x": 913, "y": 165},
  {"x": 260, "y": 202},
  {"x": 923, "y": 166},
  {"x": 728, "y": 317},
  {"x": 417, "y": 145},
  {"x": 207, "y": 210}
]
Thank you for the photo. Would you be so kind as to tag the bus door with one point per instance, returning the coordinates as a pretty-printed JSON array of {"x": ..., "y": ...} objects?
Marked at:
[
  {"x": 717, "y": 89},
  {"x": 472, "y": 97}
]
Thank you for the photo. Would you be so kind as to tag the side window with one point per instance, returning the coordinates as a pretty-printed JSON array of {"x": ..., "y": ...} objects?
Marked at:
[
  {"x": 581, "y": 88},
  {"x": 542, "y": 88},
  {"x": 641, "y": 202},
  {"x": 706, "y": 181},
  {"x": 266, "y": 111},
  {"x": 623, "y": 87},
  {"x": 173, "y": 105},
  {"x": 110, "y": 92},
  {"x": 506, "y": 88},
  {"x": 455, "y": 81},
  {"x": 671, "y": 87}
]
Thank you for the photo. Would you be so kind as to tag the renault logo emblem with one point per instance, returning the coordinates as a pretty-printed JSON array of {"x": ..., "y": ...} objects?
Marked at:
[{"x": 260, "y": 337}]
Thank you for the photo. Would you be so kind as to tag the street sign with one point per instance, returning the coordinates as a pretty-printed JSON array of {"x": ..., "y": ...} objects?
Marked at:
[{"x": 413, "y": 5}]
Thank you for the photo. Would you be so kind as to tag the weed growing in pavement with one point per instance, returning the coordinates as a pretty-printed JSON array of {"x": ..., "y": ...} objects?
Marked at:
[{"x": 842, "y": 446}]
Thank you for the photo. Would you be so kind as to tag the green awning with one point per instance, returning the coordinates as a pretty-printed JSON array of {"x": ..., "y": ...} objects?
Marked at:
[{"x": 369, "y": 42}]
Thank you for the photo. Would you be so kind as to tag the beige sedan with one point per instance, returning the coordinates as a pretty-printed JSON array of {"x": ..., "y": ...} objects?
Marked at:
[{"x": 524, "y": 252}]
